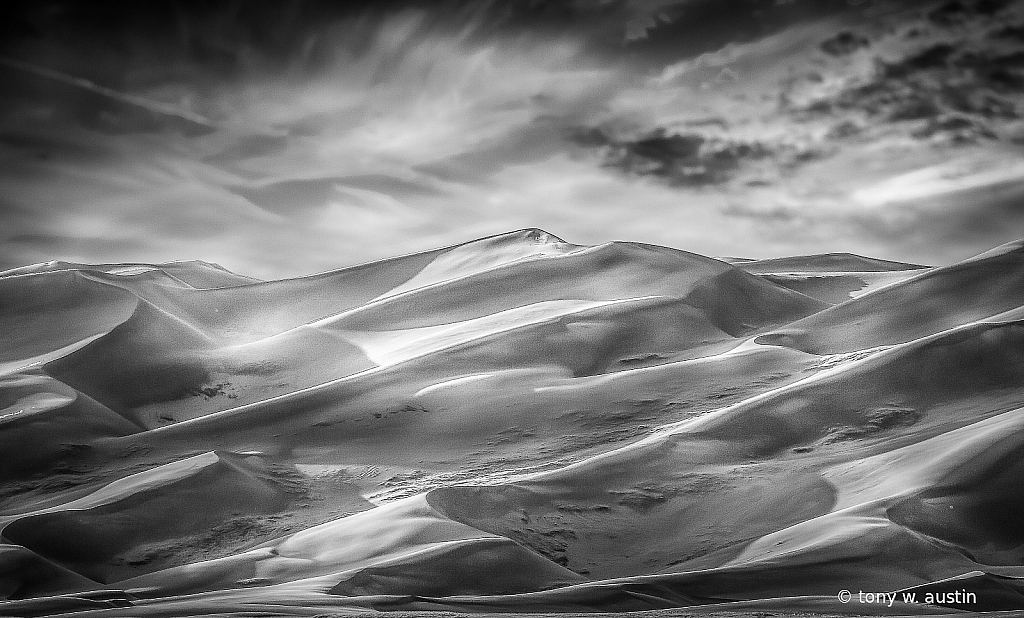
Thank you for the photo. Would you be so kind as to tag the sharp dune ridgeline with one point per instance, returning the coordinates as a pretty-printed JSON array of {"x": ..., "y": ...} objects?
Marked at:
[{"x": 513, "y": 424}]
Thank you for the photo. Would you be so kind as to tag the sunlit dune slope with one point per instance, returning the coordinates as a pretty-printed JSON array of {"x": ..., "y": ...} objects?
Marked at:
[
  {"x": 511, "y": 424},
  {"x": 932, "y": 301}
]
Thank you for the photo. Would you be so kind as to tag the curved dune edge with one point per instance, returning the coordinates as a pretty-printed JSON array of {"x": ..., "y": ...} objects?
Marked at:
[{"x": 513, "y": 424}]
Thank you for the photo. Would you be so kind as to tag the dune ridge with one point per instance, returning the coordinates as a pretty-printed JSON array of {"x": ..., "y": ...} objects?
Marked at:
[{"x": 512, "y": 424}]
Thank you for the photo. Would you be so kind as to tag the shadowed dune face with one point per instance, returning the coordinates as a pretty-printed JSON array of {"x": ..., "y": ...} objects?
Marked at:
[
  {"x": 511, "y": 424},
  {"x": 975, "y": 508},
  {"x": 26, "y": 575},
  {"x": 43, "y": 420},
  {"x": 136, "y": 523},
  {"x": 633, "y": 520},
  {"x": 48, "y": 311}
]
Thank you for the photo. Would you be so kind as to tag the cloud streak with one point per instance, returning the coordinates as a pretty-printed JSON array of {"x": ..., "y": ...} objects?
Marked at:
[{"x": 85, "y": 84}]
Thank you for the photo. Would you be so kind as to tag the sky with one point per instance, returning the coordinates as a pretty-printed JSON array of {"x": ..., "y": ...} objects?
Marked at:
[{"x": 287, "y": 138}]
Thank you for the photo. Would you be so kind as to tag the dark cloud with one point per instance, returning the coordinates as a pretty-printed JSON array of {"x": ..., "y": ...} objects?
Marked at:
[
  {"x": 163, "y": 40},
  {"x": 125, "y": 44},
  {"x": 43, "y": 144},
  {"x": 689, "y": 28},
  {"x": 1012, "y": 32},
  {"x": 956, "y": 86},
  {"x": 955, "y": 12},
  {"x": 689, "y": 159},
  {"x": 844, "y": 43}
]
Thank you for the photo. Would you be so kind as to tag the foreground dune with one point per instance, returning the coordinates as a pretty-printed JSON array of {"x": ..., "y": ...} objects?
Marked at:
[{"x": 514, "y": 424}]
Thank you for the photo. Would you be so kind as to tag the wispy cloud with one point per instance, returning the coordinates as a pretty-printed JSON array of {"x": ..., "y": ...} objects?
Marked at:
[{"x": 85, "y": 84}]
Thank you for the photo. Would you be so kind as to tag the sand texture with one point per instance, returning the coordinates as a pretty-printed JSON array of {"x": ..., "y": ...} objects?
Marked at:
[{"x": 514, "y": 424}]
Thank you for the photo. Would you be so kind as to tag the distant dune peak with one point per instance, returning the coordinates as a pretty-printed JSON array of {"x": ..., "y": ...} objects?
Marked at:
[
  {"x": 529, "y": 237},
  {"x": 537, "y": 235},
  {"x": 824, "y": 262}
]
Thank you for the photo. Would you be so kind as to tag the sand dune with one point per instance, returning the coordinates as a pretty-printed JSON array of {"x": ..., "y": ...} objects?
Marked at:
[
  {"x": 935, "y": 300},
  {"x": 826, "y": 262},
  {"x": 25, "y": 575},
  {"x": 133, "y": 523},
  {"x": 605, "y": 272},
  {"x": 838, "y": 287},
  {"x": 512, "y": 424},
  {"x": 45, "y": 312},
  {"x": 43, "y": 421},
  {"x": 405, "y": 547}
]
